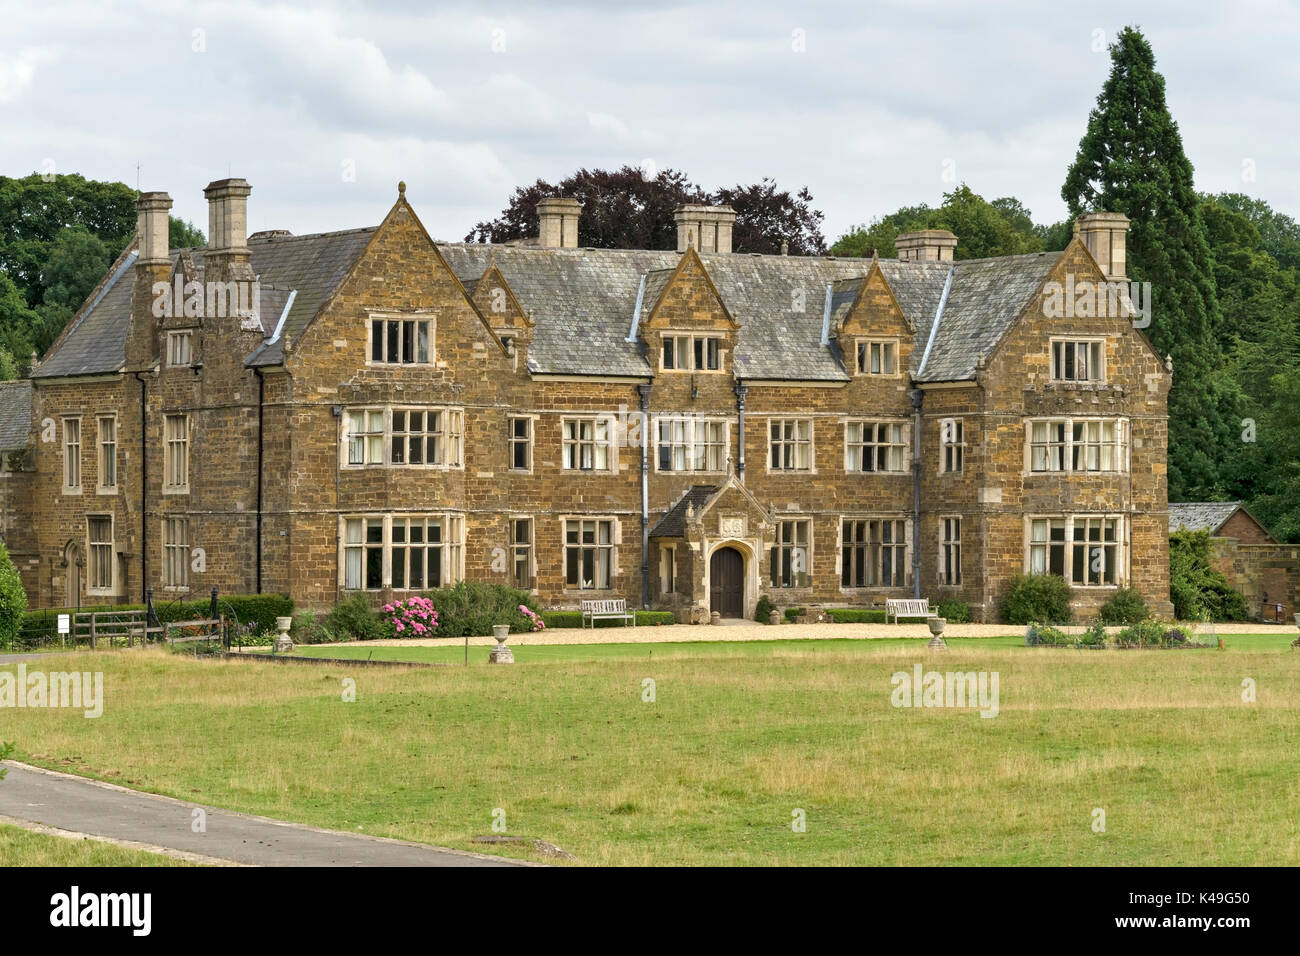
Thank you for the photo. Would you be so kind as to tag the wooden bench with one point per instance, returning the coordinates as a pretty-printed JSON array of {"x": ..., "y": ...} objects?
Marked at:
[
  {"x": 613, "y": 608},
  {"x": 906, "y": 607}
]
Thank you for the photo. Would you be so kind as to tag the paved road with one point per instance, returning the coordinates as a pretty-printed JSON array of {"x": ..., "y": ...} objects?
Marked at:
[{"x": 104, "y": 810}]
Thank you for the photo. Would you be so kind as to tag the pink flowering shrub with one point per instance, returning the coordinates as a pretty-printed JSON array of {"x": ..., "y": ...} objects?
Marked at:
[
  {"x": 412, "y": 617},
  {"x": 534, "y": 618}
]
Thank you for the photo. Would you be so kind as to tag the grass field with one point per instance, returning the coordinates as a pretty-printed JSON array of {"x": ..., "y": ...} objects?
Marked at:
[
  {"x": 738, "y": 738},
  {"x": 19, "y": 847}
]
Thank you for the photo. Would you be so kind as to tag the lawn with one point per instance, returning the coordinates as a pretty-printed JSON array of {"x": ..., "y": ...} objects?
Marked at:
[
  {"x": 738, "y": 738},
  {"x": 19, "y": 847}
]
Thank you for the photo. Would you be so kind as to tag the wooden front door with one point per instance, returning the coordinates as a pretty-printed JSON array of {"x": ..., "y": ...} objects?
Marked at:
[{"x": 727, "y": 583}]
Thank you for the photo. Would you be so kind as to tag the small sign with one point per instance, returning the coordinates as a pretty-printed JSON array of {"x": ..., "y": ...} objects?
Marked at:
[{"x": 65, "y": 621}]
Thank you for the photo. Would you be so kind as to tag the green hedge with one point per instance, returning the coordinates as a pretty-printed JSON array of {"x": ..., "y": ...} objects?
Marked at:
[
  {"x": 260, "y": 610},
  {"x": 563, "y": 619},
  {"x": 1035, "y": 598},
  {"x": 855, "y": 615}
]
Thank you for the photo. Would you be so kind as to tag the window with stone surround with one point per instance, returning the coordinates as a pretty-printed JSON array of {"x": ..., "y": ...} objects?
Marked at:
[
  {"x": 877, "y": 357},
  {"x": 790, "y": 441},
  {"x": 403, "y": 552},
  {"x": 1077, "y": 444},
  {"x": 588, "y": 443},
  {"x": 521, "y": 553},
  {"x": 176, "y": 553},
  {"x": 950, "y": 552},
  {"x": 588, "y": 553},
  {"x": 791, "y": 558},
  {"x": 107, "y": 453},
  {"x": 180, "y": 348},
  {"x": 668, "y": 569},
  {"x": 873, "y": 552},
  {"x": 1078, "y": 360},
  {"x": 99, "y": 533},
  {"x": 72, "y": 456},
  {"x": 687, "y": 443},
  {"x": 875, "y": 446},
  {"x": 176, "y": 453},
  {"x": 521, "y": 443},
  {"x": 403, "y": 437},
  {"x": 400, "y": 341},
  {"x": 952, "y": 445},
  {"x": 1086, "y": 550},
  {"x": 691, "y": 353}
]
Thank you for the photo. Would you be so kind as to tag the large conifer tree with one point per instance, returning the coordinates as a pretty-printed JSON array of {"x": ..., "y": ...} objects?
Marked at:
[{"x": 1131, "y": 160}]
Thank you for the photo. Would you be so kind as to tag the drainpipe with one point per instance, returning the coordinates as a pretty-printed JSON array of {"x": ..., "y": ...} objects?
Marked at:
[
  {"x": 741, "y": 392},
  {"x": 917, "y": 397},
  {"x": 261, "y": 394},
  {"x": 144, "y": 489},
  {"x": 644, "y": 392}
]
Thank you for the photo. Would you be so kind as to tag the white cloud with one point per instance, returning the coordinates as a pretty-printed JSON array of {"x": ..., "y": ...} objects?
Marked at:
[{"x": 18, "y": 71}]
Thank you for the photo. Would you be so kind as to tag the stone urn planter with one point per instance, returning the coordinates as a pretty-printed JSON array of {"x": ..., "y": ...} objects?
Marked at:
[
  {"x": 282, "y": 643},
  {"x": 501, "y": 654},
  {"x": 937, "y": 625},
  {"x": 714, "y": 617},
  {"x": 774, "y": 617}
]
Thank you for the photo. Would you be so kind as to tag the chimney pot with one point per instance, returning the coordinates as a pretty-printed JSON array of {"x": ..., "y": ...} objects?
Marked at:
[
  {"x": 1106, "y": 236},
  {"x": 926, "y": 245},
  {"x": 557, "y": 222}
]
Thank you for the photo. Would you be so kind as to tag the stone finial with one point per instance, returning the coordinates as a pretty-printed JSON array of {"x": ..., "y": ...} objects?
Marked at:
[
  {"x": 1169, "y": 363},
  {"x": 401, "y": 189},
  {"x": 979, "y": 359},
  {"x": 785, "y": 248}
]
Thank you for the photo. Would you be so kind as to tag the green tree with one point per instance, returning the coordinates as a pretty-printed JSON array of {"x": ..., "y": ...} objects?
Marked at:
[
  {"x": 183, "y": 234},
  {"x": 77, "y": 261},
  {"x": 16, "y": 320},
  {"x": 13, "y": 599},
  {"x": 1003, "y": 227},
  {"x": 1131, "y": 160},
  {"x": 8, "y": 367}
]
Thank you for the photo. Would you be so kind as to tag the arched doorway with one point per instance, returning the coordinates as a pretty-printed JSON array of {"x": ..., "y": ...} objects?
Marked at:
[
  {"x": 727, "y": 583},
  {"x": 72, "y": 565}
]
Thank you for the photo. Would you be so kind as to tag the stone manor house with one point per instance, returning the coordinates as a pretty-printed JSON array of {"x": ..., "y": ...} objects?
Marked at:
[{"x": 376, "y": 411}]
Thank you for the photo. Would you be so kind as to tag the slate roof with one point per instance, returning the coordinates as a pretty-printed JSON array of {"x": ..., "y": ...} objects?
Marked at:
[
  {"x": 673, "y": 524},
  {"x": 583, "y": 302},
  {"x": 15, "y": 414},
  {"x": 309, "y": 266},
  {"x": 1200, "y": 515}
]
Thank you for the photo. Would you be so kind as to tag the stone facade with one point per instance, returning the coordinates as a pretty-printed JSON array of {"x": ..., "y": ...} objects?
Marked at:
[{"x": 399, "y": 407}]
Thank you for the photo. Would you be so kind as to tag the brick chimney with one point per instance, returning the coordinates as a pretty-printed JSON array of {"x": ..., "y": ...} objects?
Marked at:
[
  {"x": 152, "y": 265},
  {"x": 926, "y": 245},
  {"x": 557, "y": 223},
  {"x": 1106, "y": 236},
  {"x": 706, "y": 228}
]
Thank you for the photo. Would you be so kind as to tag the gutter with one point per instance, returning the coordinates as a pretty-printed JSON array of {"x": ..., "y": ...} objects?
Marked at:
[
  {"x": 636, "y": 310},
  {"x": 144, "y": 489},
  {"x": 644, "y": 391},
  {"x": 917, "y": 398},
  {"x": 938, "y": 316},
  {"x": 261, "y": 393}
]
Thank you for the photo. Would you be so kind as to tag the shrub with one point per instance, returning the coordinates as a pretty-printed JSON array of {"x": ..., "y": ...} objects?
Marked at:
[
  {"x": 855, "y": 615},
  {"x": 308, "y": 628},
  {"x": 13, "y": 599},
  {"x": 791, "y": 613},
  {"x": 533, "y": 616},
  {"x": 260, "y": 610},
  {"x": 1148, "y": 633},
  {"x": 1125, "y": 606},
  {"x": 1037, "y": 597},
  {"x": 412, "y": 617},
  {"x": 763, "y": 610},
  {"x": 1198, "y": 591},
  {"x": 1047, "y": 635},
  {"x": 954, "y": 612},
  {"x": 473, "y": 607},
  {"x": 354, "y": 620},
  {"x": 1095, "y": 635}
]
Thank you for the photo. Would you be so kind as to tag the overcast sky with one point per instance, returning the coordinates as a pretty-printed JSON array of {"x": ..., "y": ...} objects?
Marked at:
[{"x": 871, "y": 105}]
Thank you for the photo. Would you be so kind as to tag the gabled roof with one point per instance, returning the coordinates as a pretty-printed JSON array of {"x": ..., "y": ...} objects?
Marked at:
[
  {"x": 1208, "y": 516},
  {"x": 309, "y": 267},
  {"x": 15, "y": 414},
  {"x": 673, "y": 524}
]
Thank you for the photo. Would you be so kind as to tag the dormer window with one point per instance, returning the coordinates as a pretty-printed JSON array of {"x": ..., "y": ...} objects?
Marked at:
[
  {"x": 1078, "y": 360},
  {"x": 877, "y": 358},
  {"x": 691, "y": 353}
]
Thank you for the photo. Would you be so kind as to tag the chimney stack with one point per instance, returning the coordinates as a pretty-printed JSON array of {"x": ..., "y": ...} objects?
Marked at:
[
  {"x": 1106, "y": 236},
  {"x": 926, "y": 245},
  {"x": 151, "y": 228},
  {"x": 557, "y": 223},
  {"x": 226, "y": 256},
  {"x": 706, "y": 228}
]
